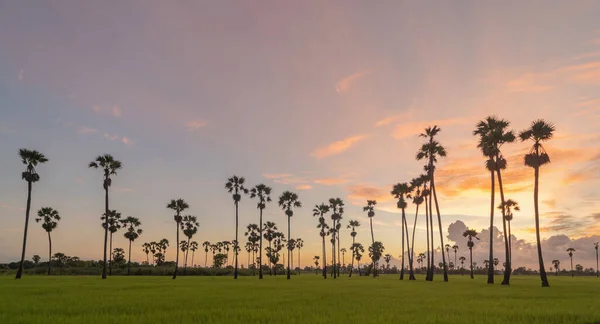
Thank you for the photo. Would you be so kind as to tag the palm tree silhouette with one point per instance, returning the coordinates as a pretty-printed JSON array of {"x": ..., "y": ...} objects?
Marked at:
[
  {"x": 235, "y": 185},
  {"x": 447, "y": 247},
  {"x": 109, "y": 166},
  {"x": 387, "y": 258},
  {"x": 370, "y": 209},
  {"x": 431, "y": 151},
  {"x": 163, "y": 245},
  {"x": 316, "y": 260},
  {"x": 49, "y": 218},
  {"x": 509, "y": 206},
  {"x": 353, "y": 225},
  {"x": 146, "y": 248},
  {"x": 299, "y": 245},
  {"x": 556, "y": 265},
  {"x": 336, "y": 205},
  {"x": 470, "y": 234},
  {"x": 132, "y": 225},
  {"x": 320, "y": 211},
  {"x": 262, "y": 192},
  {"x": 287, "y": 201},
  {"x": 344, "y": 256},
  {"x": 357, "y": 250},
  {"x": 178, "y": 205},
  {"x": 189, "y": 226},
  {"x": 400, "y": 191},
  {"x": 418, "y": 198},
  {"x": 193, "y": 248},
  {"x": 269, "y": 234},
  {"x": 114, "y": 224},
  {"x": 492, "y": 135},
  {"x": 31, "y": 159},
  {"x": 596, "y": 248},
  {"x": 375, "y": 252},
  {"x": 253, "y": 234},
  {"x": 539, "y": 132},
  {"x": 455, "y": 248},
  {"x": 206, "y": 245},
  {"x": 571, "y": 250},
  {"x": 462, "y": 263}
]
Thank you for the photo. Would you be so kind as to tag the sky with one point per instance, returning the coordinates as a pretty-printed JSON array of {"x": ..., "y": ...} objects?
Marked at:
[{"x": 322, "y": 98}]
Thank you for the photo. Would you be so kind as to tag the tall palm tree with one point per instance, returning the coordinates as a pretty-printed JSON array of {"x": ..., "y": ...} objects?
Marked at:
[
  {"x": 206, "y": 245},
  {"x": 316, "y": 260},
  {"x": 596, "y": 248},
  {"x": 226, "y": 245},
  {"x": 400, "y": 191},
  {"x": 132, "y": 225},
  {"x": 509, "y": 206},
  {"x": 146, "y": 248},
  {"x": 31, "y": 159},
  {"x": 336, "y": 205},
  {"x": 431, "y": 151},
  {"x": 358, "y": 251},
  {"x": 109, "y": 166},
  {"x": 263, "y": 193},
  {"x": 193, "y": 248},
  {"x": 153, "y": 248},
  {"x": 387, "y": 258},
  {"x": 447, "y": 247},
  {"x": 253, "y": 234},
  {"x": 493, "y": 134},
  {"x": 455, "y": 248},
  {"x": 571, "y": 250},
  {"x": 418, "y": 199},
  {"x": 269, "y": 233},
  {"x": 114, "y": 224},
  {"x": 462, "y": 262},
  {"x": 370, "y": 209},
  {"x": 235, "y": 185},
  {"x": 320, "y": 211},
  {"x": 353, "y": 225},
  {"x": 287, "y": 201},
  {"x": 163, "y": 245},
  {"x": 178, "y": 205},
  {"x": 344, "y": 256},
  {"x": 375, "y": 252},
  {"x": 539, "y": 132},
  {"x": 299, "y": 245},
  {"x": 470, "y": 234},
  {"x": 189, "y": 226},
  {"x": 49, "y": 218},
  {"x": 556, "y": 264}
]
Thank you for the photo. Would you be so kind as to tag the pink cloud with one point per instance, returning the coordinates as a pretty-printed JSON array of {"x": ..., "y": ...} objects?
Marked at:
[
  {"x": 195, "y": 125},
  {"x": 116, "y": 111},
  {"x": 337, "y": 147},
  {"x": 344, "y": 84},
  {"x": 110, "y": 137},
  {"x": 126, "y": 140},
  {"x": 86, "y": 130}
]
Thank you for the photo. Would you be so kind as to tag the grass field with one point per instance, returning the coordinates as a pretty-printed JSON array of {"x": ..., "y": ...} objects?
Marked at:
[{"x": 304, "y": 299}]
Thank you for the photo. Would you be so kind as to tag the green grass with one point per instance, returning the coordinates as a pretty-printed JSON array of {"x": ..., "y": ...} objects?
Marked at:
[{"x": 304, "y": 299}]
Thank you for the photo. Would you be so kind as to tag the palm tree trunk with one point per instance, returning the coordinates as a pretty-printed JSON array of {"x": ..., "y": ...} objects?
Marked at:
[
  {"x": 20, "y": 271},
  {"x": 509, "y": 243},
  {"x": 427, "y": 236},
  {"x": 288, "y": 247},
  {"x": 338, "y": 266},
  {"x": 352, "y": 262},
  {"x": 129, "y": 260},
  {"x": 471, "y": 260},
  {"x": 411, "y": 272},
  {"x": 333, "y": 254},
  {"x": 597, "y": 274},
  {"x": 324, "y": 252},
  {"x": 110, "y": 256},
  {"x": 537, "y": 224},
  {"x": 205, "y": 258},
  {"x": 177, "y": 248},
  {"x": 412, "y": 252},
  {"x": 402, "y": 267},
  {"x": 186, "y": 257},
  {"x": 455, "y": 264},
  {"x": 358, "y": 265},
  {"x": 49, "y": 253},
  {"x": 105, "y": 226},
  {"x": 235, "y": 272},
  {"x": 572, "y": 273},
  {"x": 490, "y": 279},
  {"x": 193, "y": 258},
  {"x": 508, "y": 268},
  {"x": 260, "y": 259},
  {"x": 299, "y": 268},
  {"x": 372, "y": 244}
]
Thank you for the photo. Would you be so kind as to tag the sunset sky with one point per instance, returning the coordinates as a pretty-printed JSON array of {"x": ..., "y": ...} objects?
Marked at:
[{"x": 324, "y": 98}]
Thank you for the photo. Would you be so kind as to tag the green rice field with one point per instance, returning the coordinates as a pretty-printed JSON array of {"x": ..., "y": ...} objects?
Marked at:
[{"x": 303, "y": 299}]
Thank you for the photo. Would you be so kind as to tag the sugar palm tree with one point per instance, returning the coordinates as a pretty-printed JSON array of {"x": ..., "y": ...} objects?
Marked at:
[
  {"x": 31, "y": 159},
  {"x": 401, "y": 191},
  {"x": 193, "y": 248},
  {"x": 226, "y": 245},
  {"x": 189, "y": 226},
  {"x": 556, "y": 264},
  {"x": 299, "y": 245},
  {"x": 336, "y": 205},
  {"x": 571, "y": 250},
  {"x": 146, "y": 248},
  {"x": 253, "y": 234},
  {"x": 263, "y": 194},
  {"x": 357, "y": 250},
  {"x": 370, "y": 209},
  {"x": 178, "y": 205},
  {"x": 470, "y": 234},
  {"x": 109, "y": 166},
  {"x": 596, "y": 248},
  {"x": 163, "y": 245},
  {"x": 387, "y": 258},
  {"x": 375, "y": 252},
  {"x": 431, "y": 151},
  {"x": 316, "y": 260},
  {"x": 320, "y": 211},
  {"x": 114, "y": 224},
  {"x": 344, "y": 256},
  {"x": 287, "y": 201},
  {"x": 132, "y": 225},
  {"x": 539, "y": 132},
  {"x": 493, "y": 134},
  {"x": 353, "y": 225},
  {"x": 235, "y": 185},
  {"x": 49, "y": 218},
  {"x": 206, "y": 245},
  {"x": 269, "y": 233},
  {"x": 418, "y": 198},
  {"x": 455, "y": 248},
  {"x": 462, "y": 263},
  {"x": 510, "y": 206}
]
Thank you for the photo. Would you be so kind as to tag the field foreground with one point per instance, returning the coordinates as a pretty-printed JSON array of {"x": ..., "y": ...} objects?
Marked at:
[{"x": 304, "y": 299}]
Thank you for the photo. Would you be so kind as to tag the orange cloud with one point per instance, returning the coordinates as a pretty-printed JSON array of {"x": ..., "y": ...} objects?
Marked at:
[
  {"x": 126, "y": 140},
  {"x": 304, "y": 187},
  {"x": 344, "y": 84},
  {"x": 528, "y": 82},
  {"x": 330, "y": 181},
  {"x": 337, "y": 147},
  {"x": 386, "y": 121},
  {"x": 414, "y": 128},
  {"x": 361, "y": 193},
  {"x": 195, "y": 125}
]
